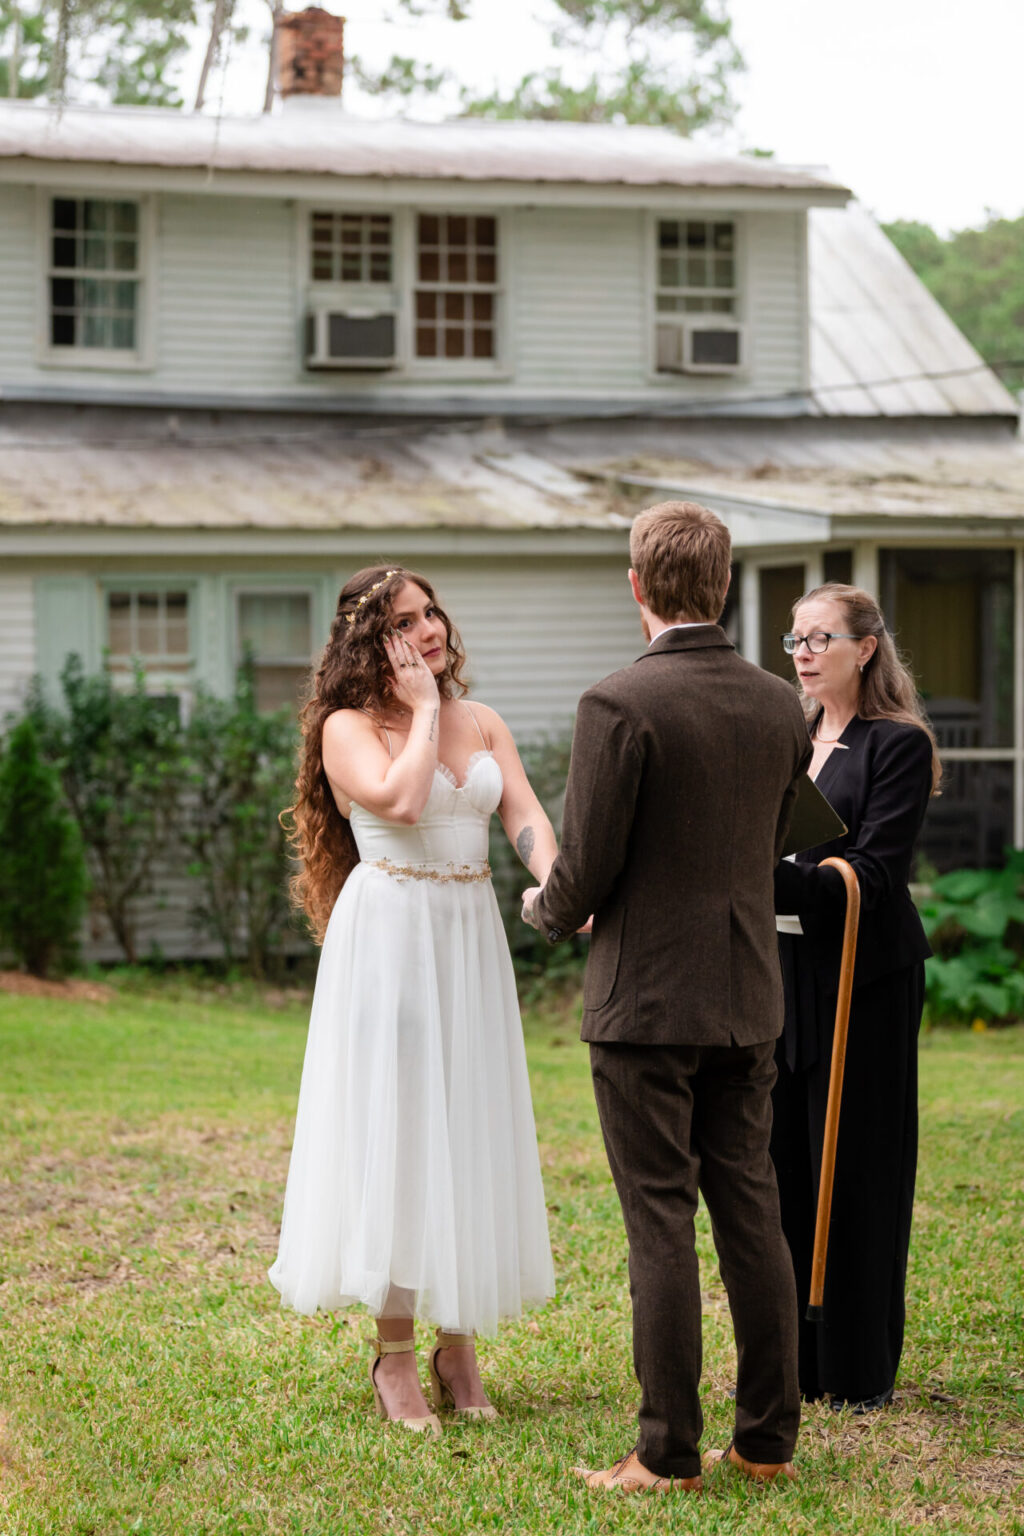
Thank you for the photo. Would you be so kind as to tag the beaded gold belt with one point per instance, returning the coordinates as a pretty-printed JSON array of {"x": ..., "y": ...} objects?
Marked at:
[{"x": 464, "y": 874}]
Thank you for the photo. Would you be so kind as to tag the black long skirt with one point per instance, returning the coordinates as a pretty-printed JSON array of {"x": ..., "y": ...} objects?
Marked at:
[{"x": 854, "y": 1353}]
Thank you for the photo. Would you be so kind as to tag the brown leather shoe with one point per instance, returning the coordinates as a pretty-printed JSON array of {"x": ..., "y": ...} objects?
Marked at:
[
  {"x": 631, "y": 1476},
  {"x": 759, "y": 1471}
]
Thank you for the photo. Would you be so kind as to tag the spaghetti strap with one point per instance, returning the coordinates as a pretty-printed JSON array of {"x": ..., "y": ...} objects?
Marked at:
[
  {"x": 383, "y": 728},
  {"x": 476, "y": 722}
]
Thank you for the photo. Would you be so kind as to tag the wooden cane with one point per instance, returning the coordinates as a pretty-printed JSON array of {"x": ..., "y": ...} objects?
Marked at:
[{"x": 815, "y": 1309}]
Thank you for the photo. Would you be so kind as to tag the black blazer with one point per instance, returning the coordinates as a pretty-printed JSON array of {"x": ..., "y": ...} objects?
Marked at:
[
  {"x": 880, "y": 787},
  {"x": 683, "y": 775}
]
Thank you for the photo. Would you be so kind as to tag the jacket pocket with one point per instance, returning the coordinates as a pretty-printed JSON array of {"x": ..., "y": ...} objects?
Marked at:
[{"x": 604, "y": 959}]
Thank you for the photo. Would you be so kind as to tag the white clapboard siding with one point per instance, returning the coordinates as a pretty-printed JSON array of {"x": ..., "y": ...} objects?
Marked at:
[
  {"x": 579, "y": 297},
  {"x": 774, "y": 303},
  {"x": 17, "y": 641},
  {"x": 18, "y": 280},
  {"x": 227, "y": 306}
]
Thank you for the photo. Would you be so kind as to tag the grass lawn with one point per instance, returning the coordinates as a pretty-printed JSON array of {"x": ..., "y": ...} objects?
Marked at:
[{"x": 150, "y": 1381}]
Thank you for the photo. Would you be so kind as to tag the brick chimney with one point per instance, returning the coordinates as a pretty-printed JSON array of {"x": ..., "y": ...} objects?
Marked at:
[{"x": 310, "y": 52}]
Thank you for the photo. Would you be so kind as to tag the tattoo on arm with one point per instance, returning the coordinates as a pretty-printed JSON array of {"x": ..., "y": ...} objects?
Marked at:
[
  {"x": 524, "y": 845},
  {"x": 433, "y": 722}
]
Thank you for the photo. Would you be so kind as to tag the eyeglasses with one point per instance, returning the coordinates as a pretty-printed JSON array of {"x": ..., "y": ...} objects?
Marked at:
[{"x": 816, "y": 643}]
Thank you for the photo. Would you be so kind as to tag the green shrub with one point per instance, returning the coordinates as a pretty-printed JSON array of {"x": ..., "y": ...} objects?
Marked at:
[
  {"x": 974, "y": 919},
  {"x": 43, "y": 877},
  {"x": 121, "y": 766},
  {"x": 241, "y": 772}
]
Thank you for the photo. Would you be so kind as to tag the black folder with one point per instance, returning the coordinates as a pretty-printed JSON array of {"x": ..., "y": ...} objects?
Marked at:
[{"x": 813, "y": 822}]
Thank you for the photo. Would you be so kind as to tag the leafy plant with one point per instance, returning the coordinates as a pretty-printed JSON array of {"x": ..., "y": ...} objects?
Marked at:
[
  {"x": 43, "y": 877},
  {"x": 119, "y": 756},
  {"x": 241, "y": 770},
  {"x": 974, "y": 919}
]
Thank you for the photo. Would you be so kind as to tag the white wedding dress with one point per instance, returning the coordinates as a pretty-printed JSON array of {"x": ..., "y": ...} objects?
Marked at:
[{"x": 415, "y": 1163}]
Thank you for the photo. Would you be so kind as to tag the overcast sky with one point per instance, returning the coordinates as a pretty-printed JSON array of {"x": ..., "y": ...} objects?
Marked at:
[{"x": 915, "y": 104}]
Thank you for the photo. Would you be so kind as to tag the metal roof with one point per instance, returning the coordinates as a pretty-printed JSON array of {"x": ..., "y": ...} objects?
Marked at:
[
  {"x": 147, "y": 471},
  {"x": 881, "y": 345},
  {"x": 315, "y": 136}
]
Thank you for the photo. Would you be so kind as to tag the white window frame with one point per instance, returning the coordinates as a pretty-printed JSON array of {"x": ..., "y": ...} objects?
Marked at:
[
  {"x": 113, "y": 359},
  {"x": 179, "y": 680},
  {"x": 399, "y": 294},
  {"x": 739, "y": 315},
  {"x": 282, "y": 588}
]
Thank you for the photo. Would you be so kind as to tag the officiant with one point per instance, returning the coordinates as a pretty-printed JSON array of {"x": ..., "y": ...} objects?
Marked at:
[{"x": 876, "y": 761}]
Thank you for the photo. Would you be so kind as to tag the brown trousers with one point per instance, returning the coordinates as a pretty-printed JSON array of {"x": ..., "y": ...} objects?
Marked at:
[{"x": 678, "y": 1119}]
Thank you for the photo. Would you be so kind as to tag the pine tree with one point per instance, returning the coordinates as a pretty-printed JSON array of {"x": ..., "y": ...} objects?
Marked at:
[{"x": 42, "y": 868}]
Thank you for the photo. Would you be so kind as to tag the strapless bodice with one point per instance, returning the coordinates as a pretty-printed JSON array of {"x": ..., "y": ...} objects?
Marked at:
[{"x": 452, "y": 829}]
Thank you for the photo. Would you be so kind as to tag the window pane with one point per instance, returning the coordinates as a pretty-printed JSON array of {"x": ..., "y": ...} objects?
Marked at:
[
  {"x": 454, "y": 343},
  {"x": 94, "y": 331},
  {"x": 428, "y": 229},
  {"x": 122, "y": 332},
  {"x": 119, "y": 623},
  {"x": 430, "y": 267},
  {"x": 62, "y": 330},
  {"x": 95, "y": 215},
  {"x": 65, "y": 211},
  {"x": 426, "y": 306},
  {"x": 63, "y": 251},
  {"x": 458, "y": 267},
  {"x": 483, "y": 343},
  {"x": 125, "y": 218},
  {"x": 274, "y": 624},
  {"x": 454, "y": 306},
  {"x": 176, "y": 627},
  {"x": 147, "y": 627},
  {"x": 486, "y": 232},
  {"x": 458, "y": 231},
  {"x": 668, "y": 235},
  {"x": 426, "y": 341},
  {"x": 123, "y": 255},
  {"x": 696, "y": 236},
  {"x": 486, "y": 268},
  {"x": 723, "y": 237}
]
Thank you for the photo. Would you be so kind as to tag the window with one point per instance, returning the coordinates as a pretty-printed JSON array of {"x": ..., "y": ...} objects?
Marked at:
[
  {"x": 275, "y": 636},
  {"x": 350, "y": 248},
  {"x": 696, "y": 267},
  {"x": 95, "y": 275},
  {"x": 456, "y": 286},
  {"x": 151, "y": 627}
]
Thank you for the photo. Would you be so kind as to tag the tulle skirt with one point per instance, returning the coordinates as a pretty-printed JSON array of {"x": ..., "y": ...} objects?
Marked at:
[{"x": 414, "y": 1183}]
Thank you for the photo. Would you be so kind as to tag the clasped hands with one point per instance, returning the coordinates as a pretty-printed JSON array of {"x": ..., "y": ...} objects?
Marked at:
[{"x": 529, "y": 913}]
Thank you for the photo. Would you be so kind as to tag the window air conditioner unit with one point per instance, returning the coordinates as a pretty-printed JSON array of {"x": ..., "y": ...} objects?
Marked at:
[
  {"x": 351, "y": 338},
  {"x": 700, "y": 344}
]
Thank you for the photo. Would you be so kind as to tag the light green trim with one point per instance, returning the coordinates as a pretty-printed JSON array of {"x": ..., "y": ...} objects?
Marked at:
[{"x": 67, "y": 612}]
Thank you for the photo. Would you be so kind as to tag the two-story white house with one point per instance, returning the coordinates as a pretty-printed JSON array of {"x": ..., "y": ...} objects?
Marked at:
[{"x": 239, "y": 359}]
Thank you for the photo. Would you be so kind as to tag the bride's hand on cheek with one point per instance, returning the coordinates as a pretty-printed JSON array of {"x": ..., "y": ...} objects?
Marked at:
[{"x": 413, "y": 682}]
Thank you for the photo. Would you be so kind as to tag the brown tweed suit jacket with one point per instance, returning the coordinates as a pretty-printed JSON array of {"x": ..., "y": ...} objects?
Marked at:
[{"x": 683, "y": 773}]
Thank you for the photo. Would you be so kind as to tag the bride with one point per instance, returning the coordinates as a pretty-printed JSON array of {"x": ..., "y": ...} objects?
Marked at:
[{"x": 414, "y": 1186}]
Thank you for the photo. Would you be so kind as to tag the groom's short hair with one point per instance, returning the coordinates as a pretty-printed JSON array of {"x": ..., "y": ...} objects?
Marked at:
[{"x": 680, "y": 552}]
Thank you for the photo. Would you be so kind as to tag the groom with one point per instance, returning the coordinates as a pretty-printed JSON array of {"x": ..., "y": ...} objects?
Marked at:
[{"x": 683, "y": 773}]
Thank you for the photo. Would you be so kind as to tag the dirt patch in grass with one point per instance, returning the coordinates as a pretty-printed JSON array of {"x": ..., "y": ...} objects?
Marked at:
[{"x": 71, "y": 990}]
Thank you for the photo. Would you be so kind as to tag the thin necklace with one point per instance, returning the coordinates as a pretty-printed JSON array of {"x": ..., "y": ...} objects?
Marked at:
[{"x": 828, "y": 741}]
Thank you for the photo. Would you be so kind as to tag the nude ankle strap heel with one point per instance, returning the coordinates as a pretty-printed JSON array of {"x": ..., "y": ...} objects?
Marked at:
[
  {"x": 440, "y": 1392},
  {"x": 427, "y": 1423}
]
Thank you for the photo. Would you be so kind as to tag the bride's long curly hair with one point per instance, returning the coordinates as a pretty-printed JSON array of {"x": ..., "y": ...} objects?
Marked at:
[{"x": 353, "y": 673}]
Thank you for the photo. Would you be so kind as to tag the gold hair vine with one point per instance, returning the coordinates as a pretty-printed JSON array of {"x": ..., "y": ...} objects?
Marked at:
[{"x": 350, "y": 618}]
